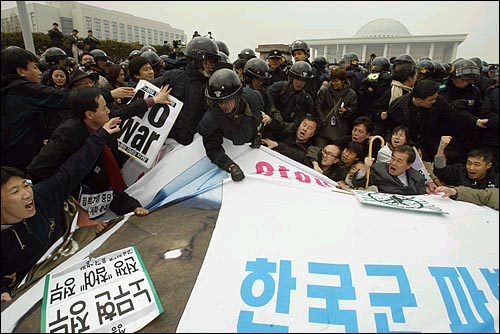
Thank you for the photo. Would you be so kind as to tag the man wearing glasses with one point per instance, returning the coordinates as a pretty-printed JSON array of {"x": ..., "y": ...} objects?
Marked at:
[{"x": 326, "y": 161}]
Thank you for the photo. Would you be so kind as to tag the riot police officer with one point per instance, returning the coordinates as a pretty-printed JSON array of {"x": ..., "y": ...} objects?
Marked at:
[
  {"x": 188, "y": 85},
  {"x": 229, "y": 116},
  {"x": 460, "y": 92}
]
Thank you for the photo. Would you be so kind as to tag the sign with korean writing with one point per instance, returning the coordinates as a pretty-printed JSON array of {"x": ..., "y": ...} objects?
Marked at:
[
  {"x": 394, "y": 201},
  {"x": 306, "y": 259},
  {"x": 143, "y": 138},
  {"x": 109, "y": 294}
]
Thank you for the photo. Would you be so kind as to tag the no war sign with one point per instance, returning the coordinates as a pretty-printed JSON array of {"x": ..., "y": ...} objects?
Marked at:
[{"x": 142, "y": 138}]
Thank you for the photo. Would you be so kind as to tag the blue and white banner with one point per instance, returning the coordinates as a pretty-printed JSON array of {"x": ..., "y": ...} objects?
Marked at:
[{"x": 286, "y": 257}]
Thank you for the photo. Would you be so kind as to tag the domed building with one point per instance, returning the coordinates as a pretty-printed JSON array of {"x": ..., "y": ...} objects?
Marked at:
[
  {"x": 389, "y": 38},
  {"x": 382, "y": 37}
]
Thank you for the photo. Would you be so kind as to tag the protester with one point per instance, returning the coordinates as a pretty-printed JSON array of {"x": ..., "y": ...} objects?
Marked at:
[
  {"x": 484, "y": 197},
  {"x": 26, "y": 107},
  {"x": 90, "y": 112},
  {"x": 31, "y": 216},
  {"x": 395, "y": 177},
  {"x": 476, "y": 173}
]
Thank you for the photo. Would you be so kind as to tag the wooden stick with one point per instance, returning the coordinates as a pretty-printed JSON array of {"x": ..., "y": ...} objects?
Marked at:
[{"x": 370, "y": 146}]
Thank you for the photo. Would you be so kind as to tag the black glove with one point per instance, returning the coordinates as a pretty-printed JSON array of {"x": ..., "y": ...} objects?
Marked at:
[
  {"x": 236, "y": 173},
  {"x": 256, "y": 140}
]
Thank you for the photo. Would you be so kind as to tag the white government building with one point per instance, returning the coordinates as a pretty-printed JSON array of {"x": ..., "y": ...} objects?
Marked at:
[
  {"x": 383, "y": 37},
  {"x": 105, "y": 24}
]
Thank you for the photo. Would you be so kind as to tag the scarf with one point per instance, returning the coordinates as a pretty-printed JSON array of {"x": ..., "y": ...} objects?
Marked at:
[{"x": 397, "y": 90}]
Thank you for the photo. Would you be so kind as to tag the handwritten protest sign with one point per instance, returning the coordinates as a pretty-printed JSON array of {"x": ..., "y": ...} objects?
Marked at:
[
  {"x": 143, "y": 138},
  {"x": 112, "y": 293},
  {"x": 394, "y": 201}
]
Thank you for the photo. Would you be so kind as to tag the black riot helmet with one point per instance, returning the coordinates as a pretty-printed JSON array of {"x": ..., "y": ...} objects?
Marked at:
[
  {"x": 350, "y": 59},
  {"x": 299, "y": 45},
  {"x": 133, "y": 54},
  {"x": 464, "y": 68},
  {"x": 247, "y": 54},
  {"x": 477, "y": 61},
  {"x": 380, "y": 64},
  {"x": 222, "y": 47},
  {"x": 257, "y": 68},
  {"x": 223, "y": 57},
  {"x": 42, "y": 64},
  {"x": 54, "y": 54},
  {"x": 152, "y": 57},
  {"x": 200, "y": 48},
  {"x": 301, "y": 70},
  {"x": 99, "y": 55},
  {"x": 439, "y": 71},
  {"x": 224, "y": 84},
  {"x": 148, "y": 48},
  {"x": 320, "y": 62},
  {"x": 224, "y": 62},
  {"x": 403, "y": 59},
  {"x": 425, "y": 58},
  {"x": 425, "y": 68}
]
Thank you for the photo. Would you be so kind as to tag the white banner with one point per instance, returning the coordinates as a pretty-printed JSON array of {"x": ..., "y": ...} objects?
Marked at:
[
  {"x": 185, "y": 167},
  {"x": 143, "y": 138},
  {"x": 285, "y": 257},
  {"x": 109, "y": 294}
]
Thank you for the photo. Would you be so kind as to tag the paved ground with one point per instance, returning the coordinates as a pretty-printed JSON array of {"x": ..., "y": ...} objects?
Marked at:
[{"x": 165, "y": 229}]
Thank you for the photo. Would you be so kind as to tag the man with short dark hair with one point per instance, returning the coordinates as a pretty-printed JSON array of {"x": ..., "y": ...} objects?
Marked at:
[
  {"x": 395, "y": 177},
  {"x": 294, "y": 144},
  {"x": 91, "y": 41},
  {"x": 476, "y": 173},
  {"x": 90, "y": 112},
  {"x": 424, "y": 112},
  {"x": 55, "y": 36},
  {"x": 32, "y": 216},
  {"x": 26, "y": 107},
  {"x": 75, "y": 44}
]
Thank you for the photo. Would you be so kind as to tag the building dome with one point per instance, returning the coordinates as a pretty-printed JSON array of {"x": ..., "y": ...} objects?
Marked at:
[{"x": 383, "y": 28}]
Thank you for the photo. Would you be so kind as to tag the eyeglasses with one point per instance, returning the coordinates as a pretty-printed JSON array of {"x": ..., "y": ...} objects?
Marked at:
[{"x": 330, "y": 154}]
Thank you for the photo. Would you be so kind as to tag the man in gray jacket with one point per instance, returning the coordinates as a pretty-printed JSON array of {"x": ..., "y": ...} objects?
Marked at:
[{"x": 395, "y": 177}]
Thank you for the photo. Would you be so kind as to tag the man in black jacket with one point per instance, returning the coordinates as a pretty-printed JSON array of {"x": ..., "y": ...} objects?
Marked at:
[
  {"x": 424, "y": 112},
  {"x": 105, "y": 179},
  {"x": 55, "y": 36},
  {"x": 26, "y": 107},
  {"x": 32, "y": 216},
  {"x": 476, "y": 173},
  {"x": 229, "y": 116},
  {"x": 188, "y": 85}
]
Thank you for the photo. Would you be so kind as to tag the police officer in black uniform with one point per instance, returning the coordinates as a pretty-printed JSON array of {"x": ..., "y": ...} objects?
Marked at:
[
  {"x": 229, "y": 116},
  {"x": 291, "y": 98},
  {"x": 188, "y": 85},
  {"x": 374, "y": 85},
  {"x": 300, "y": 51},
  {"x": 274, "y": 60},
  {"x": 460, "y": 92}
]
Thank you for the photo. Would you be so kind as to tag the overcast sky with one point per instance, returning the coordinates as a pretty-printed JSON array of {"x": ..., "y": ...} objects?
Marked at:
[{"x": 242, "y": 24}]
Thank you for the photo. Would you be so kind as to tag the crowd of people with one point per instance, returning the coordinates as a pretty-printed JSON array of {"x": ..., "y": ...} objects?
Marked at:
[{"x": 395, "y": 125}]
